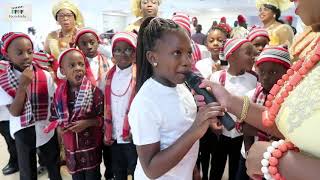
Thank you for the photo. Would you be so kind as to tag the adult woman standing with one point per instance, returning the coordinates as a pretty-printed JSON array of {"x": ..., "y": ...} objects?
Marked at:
[
  {"x": 69, "y": 17},
  {"x": 269, "y": 14},
  {"x": 142, "y": 9},
  {"x": 292, "y": 112}
]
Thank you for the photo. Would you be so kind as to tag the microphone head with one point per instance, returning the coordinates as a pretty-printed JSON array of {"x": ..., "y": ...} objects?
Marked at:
[{"x": 193, "y": 80}]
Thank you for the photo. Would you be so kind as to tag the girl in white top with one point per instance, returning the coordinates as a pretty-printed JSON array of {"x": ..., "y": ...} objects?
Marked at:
[
  {"x": 163, "y": 116},
  {"x": 216, "y": 37}
]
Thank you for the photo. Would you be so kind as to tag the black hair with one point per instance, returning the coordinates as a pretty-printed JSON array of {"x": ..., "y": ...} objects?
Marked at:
[
  {"x": 213, "y": 28},
  {"x": 275, "y": 10},
  {"x": 150, "y": 31}
]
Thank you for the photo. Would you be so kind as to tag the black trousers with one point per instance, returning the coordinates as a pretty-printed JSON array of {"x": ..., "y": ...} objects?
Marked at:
[
  {"x": 227, "y": 147},
  {"x": 124, "y": 160},
  {"x": 242, "y": 170},
  {"x": 208, "y": 145},
  {"x": 106, "y": 155},
  {"x": 92, "y": 174},
  {"x": 5, "y": 132},
  {"x": 26, "y": 149}
]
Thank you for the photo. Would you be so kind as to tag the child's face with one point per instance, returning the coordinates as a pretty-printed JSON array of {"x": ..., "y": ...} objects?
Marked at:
[
  {"x": 244, "y": 57},
  {"x": 149, "y": 8},
  {"x": 73, "y": 67},
  {"x": 88, "y": 44},
  {"x": 269, "y": 73},
  {"x": 259, "y": 43},
  {"x": 124, "y": 54},
  {"x": 20, "y": 53},
  {"x": 215, "y": 41},
  {"x": 173, "y": 55}
]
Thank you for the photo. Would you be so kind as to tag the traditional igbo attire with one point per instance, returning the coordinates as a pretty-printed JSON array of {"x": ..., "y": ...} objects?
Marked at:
[
  {"x": 27, "y": 128},
  {"x": 55, "y": 42},
  {"x": 119, "y": 93},
  {"x": 298, "y": 118},
  {"x": 279, "y": 34},
  {"x": 83, "y": 149}
]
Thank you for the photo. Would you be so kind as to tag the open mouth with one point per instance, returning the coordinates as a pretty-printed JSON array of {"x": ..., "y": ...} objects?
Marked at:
[{"x": 79, "y": 76}]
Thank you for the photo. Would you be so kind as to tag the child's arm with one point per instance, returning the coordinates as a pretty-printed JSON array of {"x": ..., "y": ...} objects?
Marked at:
[
  {"x": 156, "y": 162},
  {"x": 98, "y": 103},
  {"x": 18, "y": 102}
]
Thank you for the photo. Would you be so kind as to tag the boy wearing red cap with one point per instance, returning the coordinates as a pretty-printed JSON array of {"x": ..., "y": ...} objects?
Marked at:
[
  {"x": 78, "y": 109},
  {"x": 119, "y": 93},
  {"x": 26, "y": 90},
  {"x": 272, "y": 63},
  {"x": 240, "y": 54}
]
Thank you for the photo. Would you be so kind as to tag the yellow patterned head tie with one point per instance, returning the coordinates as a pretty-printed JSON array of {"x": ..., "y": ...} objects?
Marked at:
[
  {"x": 283, "y": 5},
  {"x": 67, "y": 4},
  {"x": 136, "y": 7}
]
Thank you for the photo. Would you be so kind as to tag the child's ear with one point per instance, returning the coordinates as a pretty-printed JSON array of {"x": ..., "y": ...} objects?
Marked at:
[
  {"x": 151, "y": 57},
  {"x": 62, "y": 71}
]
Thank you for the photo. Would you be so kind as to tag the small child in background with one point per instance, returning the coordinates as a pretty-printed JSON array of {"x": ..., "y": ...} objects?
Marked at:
[
  {"x": 87, "y": 40},
  {"x": 26, "y": 90},
  {"x": 259, "y": 38},
  {"x": 216, "y": 38},
  {"x": 272, "y": 63},
  {"x": 198, "y": 51},
  {"x": 119, "y": 93},
  {"x": 240, "y": 55},
  {"x": 78, "y": 108}
]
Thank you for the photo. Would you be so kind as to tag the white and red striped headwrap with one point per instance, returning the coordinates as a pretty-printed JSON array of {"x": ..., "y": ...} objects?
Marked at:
[
  {"x": 256, "y": 32},
  {"x": 183, "y": 20},
  {"x": 128, "y": 37},
  {"x": 9, "y": 37},
  {"x": 82, "y": 31},
  {"x": 275, "y": 54},
  {"x": 232, "y": 45}
]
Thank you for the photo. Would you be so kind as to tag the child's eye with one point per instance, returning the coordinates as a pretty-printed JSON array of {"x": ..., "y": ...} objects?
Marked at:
[
  {"x": 92, "y": 42},
  {"x": 177, "y": 53}
]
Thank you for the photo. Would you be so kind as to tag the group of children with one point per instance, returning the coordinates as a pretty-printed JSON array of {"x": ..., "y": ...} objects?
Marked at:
[
  {"x": 89, "y": 102},
  {"x": 136, "y": 115}
]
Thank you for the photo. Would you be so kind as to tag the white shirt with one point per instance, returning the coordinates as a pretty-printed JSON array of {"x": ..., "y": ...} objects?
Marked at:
[
  {"x": 205, "y": 66},
  {"x": 95, "y": 66},
  {"x": 15, "y": 123},
  {"x": 4, "y": 113},
  {"x": 236, "y": 85},
  {"x": 162, "y": 114},
  {"x": 119, "y": 84}
]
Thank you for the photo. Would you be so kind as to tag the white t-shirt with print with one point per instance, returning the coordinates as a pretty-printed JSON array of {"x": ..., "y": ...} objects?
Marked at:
[
  {"x": 162, "y": 114},
  {"x": 15, "y": 123},
  {"x": 236, "y": 85}
]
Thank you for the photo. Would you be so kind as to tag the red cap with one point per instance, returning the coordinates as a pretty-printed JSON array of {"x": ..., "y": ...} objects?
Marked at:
[
  {"x": 223, "y": 19},
  {"x": 241, "y": 19},
  {"x": 289, "y": 18}
]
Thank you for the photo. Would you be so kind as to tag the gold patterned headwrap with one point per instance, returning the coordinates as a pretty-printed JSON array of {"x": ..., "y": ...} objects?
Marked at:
[
  {"x": 136, "y": 7},
  {"x": 67, "y": 4},
  {"x": 283, "y": 5}
]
